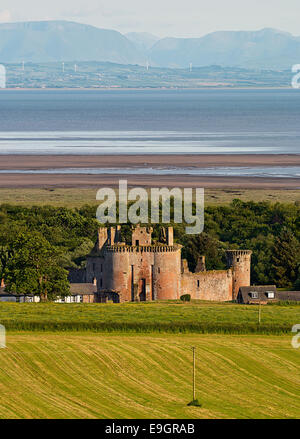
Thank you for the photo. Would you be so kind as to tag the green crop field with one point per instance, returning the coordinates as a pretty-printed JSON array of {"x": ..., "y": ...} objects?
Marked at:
[
  {"x": 172, "y": 317},
  {"x": 135, "y": 361},
  {"x": 85, "y": 375}
]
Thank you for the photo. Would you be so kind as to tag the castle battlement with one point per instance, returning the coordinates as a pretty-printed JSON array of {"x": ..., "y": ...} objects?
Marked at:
[
  {"x": 237, "y": 253},
  {"x": 141, "y": 248}
]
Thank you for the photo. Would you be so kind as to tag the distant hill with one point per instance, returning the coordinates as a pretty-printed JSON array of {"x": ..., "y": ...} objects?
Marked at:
[
  {"x": 47, "y": 41},
  {"x": 268, "y": 48},
  {"x": 142, "y": 40},
  {"x": 52, "y": 41}
]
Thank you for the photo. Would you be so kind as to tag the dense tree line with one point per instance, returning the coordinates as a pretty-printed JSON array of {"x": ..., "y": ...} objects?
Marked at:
[{"x": 38, "y": 244}]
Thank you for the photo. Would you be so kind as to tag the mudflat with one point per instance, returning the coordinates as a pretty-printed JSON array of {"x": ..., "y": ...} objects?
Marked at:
[
  {"x": 43, "y": 162},
  {"x": 8, "y": 162}
]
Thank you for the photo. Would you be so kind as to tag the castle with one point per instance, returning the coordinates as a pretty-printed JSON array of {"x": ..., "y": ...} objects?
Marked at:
[{"x": 147, "y": 271}]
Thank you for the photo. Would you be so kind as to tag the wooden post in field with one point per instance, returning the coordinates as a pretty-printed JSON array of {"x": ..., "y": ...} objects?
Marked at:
[
  {"x": 194, "y": 373},
  {"x": 259, "y": 313}
]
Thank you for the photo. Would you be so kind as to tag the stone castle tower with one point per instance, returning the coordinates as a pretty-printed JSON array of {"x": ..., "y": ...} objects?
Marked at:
[
  {"x": 240, "y": 263},
  {"x": 146, "y": 270},
  {"x": 142, "y": 271}
]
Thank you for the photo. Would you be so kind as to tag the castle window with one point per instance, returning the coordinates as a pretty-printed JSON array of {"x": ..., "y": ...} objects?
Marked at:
[
  {"x": 137, "y": 242},
  {"x": 237, "y": 259},
  {"x": 198, "y": 283},
  {"x": 158, "y": 270},
  {"x": 101, "y": 283}
]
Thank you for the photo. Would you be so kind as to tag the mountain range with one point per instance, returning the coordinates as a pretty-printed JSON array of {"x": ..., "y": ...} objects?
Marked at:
[{"x": 52, "y": 41}]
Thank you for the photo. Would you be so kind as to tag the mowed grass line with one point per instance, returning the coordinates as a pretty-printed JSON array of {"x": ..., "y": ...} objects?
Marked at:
[
  {"x": 141, "y": 376},
  {"x": 172, "y": 317}
]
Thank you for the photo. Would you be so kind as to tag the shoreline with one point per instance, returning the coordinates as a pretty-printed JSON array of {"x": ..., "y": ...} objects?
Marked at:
[
  {"x": 76, "y": 180},
  {"x": 43, "y": 162},
  {"x": 14, "y": 181}
]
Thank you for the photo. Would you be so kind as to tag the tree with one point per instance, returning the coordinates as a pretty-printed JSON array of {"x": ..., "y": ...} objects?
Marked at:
[
  {"x": 33, "y": 267},
  {"x": 285, "y": 259},
  {"x": 198, "y": 245}
]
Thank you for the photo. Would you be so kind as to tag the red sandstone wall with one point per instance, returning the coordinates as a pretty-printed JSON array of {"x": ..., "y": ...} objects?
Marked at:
[
  {"x": 117, "y": 275},
  {"x": 208, "y": 285},
  {"x": 240, "y": 261},
  {"x": 156, "y": 274},
  {"x": 167, "y": 275}
]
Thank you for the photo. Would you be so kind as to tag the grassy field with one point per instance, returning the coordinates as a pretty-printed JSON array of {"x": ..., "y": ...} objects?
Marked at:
[
  {"x": 76, "y": 197},
  {"x": 171, "y": 317},
  {"x": 69, "y": 375}
]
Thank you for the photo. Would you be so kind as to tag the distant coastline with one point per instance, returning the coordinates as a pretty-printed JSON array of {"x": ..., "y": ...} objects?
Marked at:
[{"x": 212, "y": 87}]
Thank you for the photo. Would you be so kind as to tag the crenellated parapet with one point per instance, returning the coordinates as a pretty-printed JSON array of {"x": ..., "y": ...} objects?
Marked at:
[
  {"x": 142, "y": 248},
  {"x": 237, "y": 253}
]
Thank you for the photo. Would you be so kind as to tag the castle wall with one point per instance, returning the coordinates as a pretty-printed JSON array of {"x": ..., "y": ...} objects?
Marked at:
[
  {"x": 240, "y": 262},
  {"x": 167, "y": 275},
  {"x": 94, "y": 269},
  {"x": 141, "y": 273},
  {"x": 145, "y": 271},
  {"x": 208, "y": 285}
]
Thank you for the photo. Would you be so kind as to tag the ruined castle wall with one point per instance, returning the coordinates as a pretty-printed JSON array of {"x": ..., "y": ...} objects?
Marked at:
[
  {"x": 208, "y": 285},
  {"x": 240, "y": 262},
  {"x": 94, "y": 269},
  {"x": 167, "y": 275},
  {"x": 142, "y": 273},
  {"x": 141, "y": 268},
  {"x": 116, "y": 275}
]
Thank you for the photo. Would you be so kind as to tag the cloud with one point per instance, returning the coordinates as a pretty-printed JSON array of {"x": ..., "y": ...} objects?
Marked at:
[{"x": 5, "y": 16}]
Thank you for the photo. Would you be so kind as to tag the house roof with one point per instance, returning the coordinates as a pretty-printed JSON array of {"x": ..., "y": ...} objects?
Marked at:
[
  {"x": 289, "y": 295},
  {"x": 261, "y": 290},
  {"x": 82, "y": 288}
]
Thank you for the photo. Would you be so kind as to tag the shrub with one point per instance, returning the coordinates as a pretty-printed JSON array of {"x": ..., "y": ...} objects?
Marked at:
[{"x": 185, "y": 298}]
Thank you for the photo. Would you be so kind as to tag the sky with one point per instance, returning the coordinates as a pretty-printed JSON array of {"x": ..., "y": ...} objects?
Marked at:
[{"x": 178, "y": 18}]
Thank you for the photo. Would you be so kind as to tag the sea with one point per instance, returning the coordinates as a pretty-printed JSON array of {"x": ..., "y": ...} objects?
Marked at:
[{"x": 176, "y": 121}]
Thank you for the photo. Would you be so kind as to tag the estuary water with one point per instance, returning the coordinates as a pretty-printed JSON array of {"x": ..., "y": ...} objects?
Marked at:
[
  {"x": 120, "y": 122},
  {"x": 273, "y": 171}
]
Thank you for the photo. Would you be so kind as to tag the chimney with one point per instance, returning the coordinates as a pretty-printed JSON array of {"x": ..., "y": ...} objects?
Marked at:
[{"x": 170, "y": 236}]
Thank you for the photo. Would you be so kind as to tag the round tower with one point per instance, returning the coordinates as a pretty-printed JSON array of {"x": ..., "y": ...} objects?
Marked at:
[
  {"x": 167, "y": 273},
  {"x": 116, "y": 272},
  {"x": 240, "y": 263}
]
